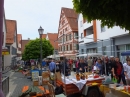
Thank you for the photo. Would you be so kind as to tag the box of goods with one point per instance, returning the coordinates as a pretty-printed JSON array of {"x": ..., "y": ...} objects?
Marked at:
[
  {"x": 35, "y": 78},
  {"x": 35, "y": 74},
  {"x": 45, "y": 77},
  {"x": 35, "y": 83}
]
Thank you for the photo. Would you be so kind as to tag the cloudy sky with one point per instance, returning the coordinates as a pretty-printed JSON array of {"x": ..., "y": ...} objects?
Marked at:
[{"x": 31, "y": 14}]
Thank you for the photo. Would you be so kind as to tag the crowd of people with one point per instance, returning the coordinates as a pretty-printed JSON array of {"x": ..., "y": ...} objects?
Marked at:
[
  {"x": 104, "y": 65},
  {"x": 110, "y": 66}
]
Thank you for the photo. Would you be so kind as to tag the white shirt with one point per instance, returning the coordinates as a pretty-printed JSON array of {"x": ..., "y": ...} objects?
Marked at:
[
  {"x": 127, "y": 70},
  {"x": 124, "y": 65}
]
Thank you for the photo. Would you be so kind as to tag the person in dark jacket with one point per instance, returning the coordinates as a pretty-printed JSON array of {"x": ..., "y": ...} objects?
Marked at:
[
  {"x": 117, "y": 69},
  {"x": 82, "y": 66},
  {"x": 66, "y": 67}
]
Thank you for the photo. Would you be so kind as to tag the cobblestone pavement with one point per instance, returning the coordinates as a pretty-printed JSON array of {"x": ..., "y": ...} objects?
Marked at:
[{"x": 17, "y": 81}]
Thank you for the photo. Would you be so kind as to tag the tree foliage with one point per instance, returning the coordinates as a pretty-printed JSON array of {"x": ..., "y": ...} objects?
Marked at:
[
  {"x": 32, "y": 49},
  {"x": 110, "y": 12}
]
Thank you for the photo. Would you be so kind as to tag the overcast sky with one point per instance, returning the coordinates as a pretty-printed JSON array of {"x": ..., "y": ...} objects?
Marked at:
[{"x": 30, "y": 14}]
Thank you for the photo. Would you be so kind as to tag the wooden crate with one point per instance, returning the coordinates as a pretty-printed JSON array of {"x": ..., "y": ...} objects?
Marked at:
[{"x": 35, "y": 83}]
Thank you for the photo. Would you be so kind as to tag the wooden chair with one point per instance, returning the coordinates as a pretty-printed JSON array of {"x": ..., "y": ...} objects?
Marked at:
[
  {"x": 51, "y": 90},
  {"x": 45, "y": 78}
]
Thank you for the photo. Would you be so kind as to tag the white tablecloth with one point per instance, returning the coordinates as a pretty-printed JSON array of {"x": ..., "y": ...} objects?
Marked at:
[{"x": 79, "y": 84}]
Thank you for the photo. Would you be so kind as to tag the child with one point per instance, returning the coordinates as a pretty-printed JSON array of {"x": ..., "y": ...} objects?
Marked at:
[{"x": 127, "y": 71}]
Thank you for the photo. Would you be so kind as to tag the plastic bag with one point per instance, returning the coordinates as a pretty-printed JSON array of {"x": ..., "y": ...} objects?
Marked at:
[{"x": 114, "y": 80}]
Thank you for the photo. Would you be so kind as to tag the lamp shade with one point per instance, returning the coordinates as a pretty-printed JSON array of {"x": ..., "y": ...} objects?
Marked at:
[{"x": 40, "y": 30}]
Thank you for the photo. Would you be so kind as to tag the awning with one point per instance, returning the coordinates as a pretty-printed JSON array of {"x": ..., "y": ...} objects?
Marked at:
[
  {"x": 125, "y": 53},
  {"x": 53, "y": 56},
  {"x": 90, "y": 54}
]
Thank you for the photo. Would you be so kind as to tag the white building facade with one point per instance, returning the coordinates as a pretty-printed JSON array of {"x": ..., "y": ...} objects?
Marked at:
[{"x": 93, "y": 38}]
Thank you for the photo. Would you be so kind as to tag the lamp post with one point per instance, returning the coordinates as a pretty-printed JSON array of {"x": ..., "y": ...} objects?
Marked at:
[
  {"x": 1, "y": 31},
  {"x": 40, "y": 30}
]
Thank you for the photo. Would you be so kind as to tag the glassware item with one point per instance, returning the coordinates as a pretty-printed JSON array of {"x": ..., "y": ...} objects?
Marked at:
[
  {"x": 83, "y": 76},
  {"x": 77, "y": 77}
]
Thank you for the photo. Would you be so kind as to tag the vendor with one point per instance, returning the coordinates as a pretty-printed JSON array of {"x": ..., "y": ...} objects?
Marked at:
[{"x": 82, "y": 66}]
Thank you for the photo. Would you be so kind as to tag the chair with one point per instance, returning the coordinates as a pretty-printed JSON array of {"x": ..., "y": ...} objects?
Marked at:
[{"x": 51, "y": 90}]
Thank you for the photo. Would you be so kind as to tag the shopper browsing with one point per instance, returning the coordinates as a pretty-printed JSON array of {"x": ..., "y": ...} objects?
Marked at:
[{"x": 127, "y": 71}]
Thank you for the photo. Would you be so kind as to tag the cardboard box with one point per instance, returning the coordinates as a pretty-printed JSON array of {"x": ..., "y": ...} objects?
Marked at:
[{"x": 35, "y": 83}]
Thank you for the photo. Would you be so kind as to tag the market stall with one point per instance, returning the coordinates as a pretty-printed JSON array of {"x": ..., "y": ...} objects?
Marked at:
[{"x": 71, "y": 85}]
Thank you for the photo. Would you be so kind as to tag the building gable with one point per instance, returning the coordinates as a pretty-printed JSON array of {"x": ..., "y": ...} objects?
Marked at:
[{"x": 68, "y": 17}]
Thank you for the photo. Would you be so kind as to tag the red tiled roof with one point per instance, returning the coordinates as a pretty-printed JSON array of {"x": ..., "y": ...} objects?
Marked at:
[
  {"x": 11, "y": 27},
  {"x": 71, "y": 16},
  {"x": 53, "y": 37}
]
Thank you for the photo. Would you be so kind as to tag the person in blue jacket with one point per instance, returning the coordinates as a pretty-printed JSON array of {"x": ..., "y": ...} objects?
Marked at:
[{"x": 43, "y": 63}]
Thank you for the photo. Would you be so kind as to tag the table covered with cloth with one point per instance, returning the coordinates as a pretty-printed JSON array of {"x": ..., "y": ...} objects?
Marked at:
[{"x": 71, "y": 85}]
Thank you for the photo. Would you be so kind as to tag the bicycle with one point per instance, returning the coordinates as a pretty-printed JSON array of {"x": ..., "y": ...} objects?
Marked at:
[{"x": 11, "y": 67}]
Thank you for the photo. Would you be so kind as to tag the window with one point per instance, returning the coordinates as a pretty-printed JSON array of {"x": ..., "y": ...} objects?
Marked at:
[
  {"x": 69, "y": 36},
  {"x": 66, "y": 29},
  {"x": 76, "y": 35},
  {"x": 103, "y": 29},
  {"x": 128, "y": 47},
  {"x": 104, "y": 50},
  {"x": 76, "y": 46},
  {"x": 92, "y": 50},
  {"x": 66, "y": 38},
  {"x": 8, "y": 48},
  {"x": 81, "y": 35},
  {"x": 82, "y": 51},
  {"x": 81, "y": 23},
  {"x": 68, "y": 47},
  {"x": 14, "y": 51},
  {"x": 86, "y": 50}
]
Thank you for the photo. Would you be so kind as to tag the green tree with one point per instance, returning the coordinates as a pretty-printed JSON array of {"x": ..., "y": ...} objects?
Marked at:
[
  {"x": 110, "y": 12},
  {"x": 32, "y": 49}
]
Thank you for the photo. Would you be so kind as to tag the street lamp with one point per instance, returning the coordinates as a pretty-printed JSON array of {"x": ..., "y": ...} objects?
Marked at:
[{"x": 40, "y": 30}]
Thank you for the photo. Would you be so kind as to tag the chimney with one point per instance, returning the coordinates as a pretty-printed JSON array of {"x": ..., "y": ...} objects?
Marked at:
[{"x": 28, "y": 38}]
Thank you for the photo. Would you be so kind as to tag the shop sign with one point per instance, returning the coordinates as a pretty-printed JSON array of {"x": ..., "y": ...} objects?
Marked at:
[{"x": 5, "y": 53}]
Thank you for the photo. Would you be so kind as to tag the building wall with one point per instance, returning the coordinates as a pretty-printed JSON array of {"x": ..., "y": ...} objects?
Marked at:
[
  {"x": 107, "y": 38},
  {"x": 70, "y": 53},
  {"x": 109, "y": 32},
  {"x": 11, "y": 58}
]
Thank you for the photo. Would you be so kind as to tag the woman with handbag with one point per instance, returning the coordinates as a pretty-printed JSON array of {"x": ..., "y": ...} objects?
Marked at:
[{"x": 117, "y": 68}]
